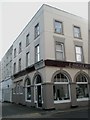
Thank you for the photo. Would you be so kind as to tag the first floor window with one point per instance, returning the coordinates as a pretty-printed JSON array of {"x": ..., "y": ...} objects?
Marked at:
[
  {"x": 27, "y": 59},
  {"x": 79, "y": 54},
  {"x": 61, "y": 88},
  {"x": 81, "y": 87},
  {"x": 37, "y": 53},
  {"x": 59, "y": 51},
  {"x": 19, "y": 66},
  {"x": 14, "y": 68},
  {"x": 28, "y": 90}
]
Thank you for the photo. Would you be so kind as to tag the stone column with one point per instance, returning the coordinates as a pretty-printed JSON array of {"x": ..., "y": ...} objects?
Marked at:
[
  {"x": 73, "y": 95},
  {"x": 47, "y": 93}
]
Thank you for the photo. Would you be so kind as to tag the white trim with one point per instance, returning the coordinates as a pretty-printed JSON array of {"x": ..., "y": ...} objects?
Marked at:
[
  {"x": 82, "y": 99},
  {"x": 82, "y": 83},
  {"x": 28, "y": 100},
  {"x": 62, "y": 101},
  {"x": 61, "y": 83}
]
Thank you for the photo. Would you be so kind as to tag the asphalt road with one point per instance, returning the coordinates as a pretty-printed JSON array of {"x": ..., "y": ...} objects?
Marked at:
[{"x": 10, "y": 110}]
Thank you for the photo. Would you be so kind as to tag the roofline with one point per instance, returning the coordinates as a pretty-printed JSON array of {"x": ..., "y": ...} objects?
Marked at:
[
  {"x": 29, "y": 22},
  {"x": 64, "y": 11},
  {"x": 38, "y": 11}
]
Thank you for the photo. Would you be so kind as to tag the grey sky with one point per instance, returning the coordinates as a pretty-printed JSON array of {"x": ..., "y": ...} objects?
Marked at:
[{"x": 16, "y": 15}]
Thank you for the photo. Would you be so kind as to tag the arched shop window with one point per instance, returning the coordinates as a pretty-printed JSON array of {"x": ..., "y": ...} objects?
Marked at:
[
  {"x": 61, "y": 88},
  {"x": 28, "y": 90},
  {"x": 82, "y": 87}
]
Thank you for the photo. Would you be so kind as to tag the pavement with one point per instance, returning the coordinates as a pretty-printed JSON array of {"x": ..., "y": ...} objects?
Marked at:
[{"x": 10, "y": 110}]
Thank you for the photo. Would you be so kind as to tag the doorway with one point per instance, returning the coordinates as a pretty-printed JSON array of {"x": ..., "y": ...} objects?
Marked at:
[{"x": 38, "y": 91}]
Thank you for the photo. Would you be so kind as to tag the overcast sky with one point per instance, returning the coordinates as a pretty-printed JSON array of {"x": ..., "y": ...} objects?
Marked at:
[{"x": 15, "y": 16}]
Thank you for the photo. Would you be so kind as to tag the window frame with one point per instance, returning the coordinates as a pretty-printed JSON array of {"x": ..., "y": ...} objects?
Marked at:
[
  {"x": 61, "y": 27},
  {"x": 27, "y": 39},
  {"x": 60, "y": 51},
  {"x": 14, "y": 52},
  {"x": 79, "y": 28},
  {"x": 36, "y": 53},
  {"x": 82, "y": 83},
  {"x": 36, "y": 30},
  {"x": 27, "y": 59},
  {"x": 63, "y": 83},
  {"x": 27, "y": 86},
  {"x": 20, "y": 47},
  {"x": 19, "y": 64},
  {"x": 82, "y": 56},
  {"x": 14, "y": 67}
]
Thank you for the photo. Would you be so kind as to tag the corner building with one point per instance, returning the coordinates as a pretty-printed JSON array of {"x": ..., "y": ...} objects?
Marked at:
[{"x": 50, "y": 61}]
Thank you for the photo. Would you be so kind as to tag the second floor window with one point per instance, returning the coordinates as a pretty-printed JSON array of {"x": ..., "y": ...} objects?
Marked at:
[
  {"x": 14, "y": 68},
  {"x": 14, "y": 52},
  {"x": 37, "y": 53},
  {"x": 77, "y": 32},
  {"x": 27, "y": 39},
  {"x": 79, "y": 54},
  {"x": 27, "y": 59},
  {"x": 19, "y": 65},
  {"x": 58, "y": 27},
  {"x": 37, "y": 30},
  {"x": 20, "y": 47},
  {"x": 59, "y": 51}
]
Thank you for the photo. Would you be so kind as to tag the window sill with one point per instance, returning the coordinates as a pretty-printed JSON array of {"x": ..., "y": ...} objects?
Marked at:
[
  {"x": 78, "y": 38},
  {"x": 58, "y": 33},
  {"x": 82, "y": 99},
  {"x": 28, "y": 100},
  {"x": 61, "y": 101}
]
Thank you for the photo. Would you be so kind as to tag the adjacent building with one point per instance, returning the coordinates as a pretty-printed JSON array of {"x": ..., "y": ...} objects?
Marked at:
[
  {"x": 6, "y": 72},
  {"x": 50, "y": 61}
]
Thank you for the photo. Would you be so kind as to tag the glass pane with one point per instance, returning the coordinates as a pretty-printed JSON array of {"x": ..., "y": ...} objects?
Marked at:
[
  {"x": 61, "y": 92},
  {"x": 28, "y": 93},
  {"x": 78, "y": 50},
  {"x": 28, "y": 82},
  {"x": 59, "y": 55},
  {"x": 58, "y": 27},
  {"x": 38, "y": 49},
  {"x": 82, "y": 91},
  {"x": 79, "y": 58},
  {"x": 59, "y": 47},
  {"x": 77, "y": 32}
]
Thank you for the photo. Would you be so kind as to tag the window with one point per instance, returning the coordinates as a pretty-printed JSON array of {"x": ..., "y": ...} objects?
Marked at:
[
  {"x": 37, "y": 53},
  {"x": 14, "y": 68},
  {"x": 28, "y": 89},
  {"x": 19, "y": 66},
  {"x": 27, "y": 39},
  {"x": 61, "y": 88},
  {"x": 27, "y": 59},
  {"x": 77, "y": 32},
  {"x": 81, "y": 87},
  {"x": 20, "y": 47},
  {"x": 79, "y": 55},
  {"x": 14, "y": 52},
  {"x": 59, "y": 51},
  {"x": 37, "y": 30},
  {"x": 58, "y": 27}
]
